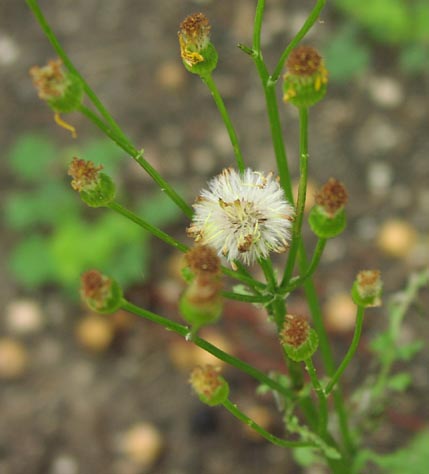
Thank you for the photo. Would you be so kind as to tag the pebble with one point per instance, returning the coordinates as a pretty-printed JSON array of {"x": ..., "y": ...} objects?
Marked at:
[
  {"x": 24, "y": 317},
  {"x": 385, "y": 91},
  {"x": 340, "y": 313},
  {"x": 95, "y": 332},
  {"x": 379, "y": 178},
  {"x": 396, "y": 238},
  {"x": 142, "y": 444},
  {"x": 64, "y": 464},
  {"x": 9, "y": 51},
  {"x": 13, "y": 359},
  {"x": 171, "y": 75}
]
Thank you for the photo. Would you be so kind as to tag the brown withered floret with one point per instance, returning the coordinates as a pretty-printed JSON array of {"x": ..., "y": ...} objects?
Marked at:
[
  {"x": 332, "y": 197},
  {"x": 205, "y": 380},
  {"x": 295, "y": 330},
  {"x": 203, "y": 259},
  {"x": 195, "y": 28},
  {"x": 95, "y": 286},
  {"x": 84, "y": 173},
  {"x": 369, "y": 283},
  {"x": 49, "y": 80},
  {"x": 304, "y": 61}
]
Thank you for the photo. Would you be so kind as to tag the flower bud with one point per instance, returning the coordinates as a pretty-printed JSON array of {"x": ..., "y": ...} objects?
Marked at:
[
  {"x": 101, "y": 293},
  {"x": 201, "y": 303},
  {"x": 298, "y": 339},
  {"x": 211, "y": 388},
  {"x": 96, "y": 189},
  {"x": 327, "y": 218},
  {"x": 198, "y": 54},
  {"x": 62, "y": 90},
  {"x": 306, "y": 77},
  {"x": 203, "y": 261},
  {"x": 366, "y": 290}
]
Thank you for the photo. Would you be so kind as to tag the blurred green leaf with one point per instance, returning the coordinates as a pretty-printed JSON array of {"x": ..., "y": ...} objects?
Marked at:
[
  {"x": 158, "y": 209},
  {"x": 31, "y": 262},
  {"x": 345, "y": 56},
  {"x": 104, "y": 152},
  {"x": 30, "y": 157},
  {"x": 408, "y": 351},
  {"x": 45, "y": 205},
  {"x": 414, "y": 58},
  {"x": 399, "y": 382},
  {"x": 412, "y": 459}
]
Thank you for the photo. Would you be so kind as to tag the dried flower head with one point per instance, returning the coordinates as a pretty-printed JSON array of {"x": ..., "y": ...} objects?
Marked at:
[
  {"x": 95, "y": 286},
  {"x": 209, "y": 385},
  {"x": 100, "y": 292},
  {"x": 304, "y": 61},
  {"x": 306, "y": 77},
  {"x": 50, "y": 80},
  {"x": 332, "y": 197},
  {"x": 369, "y": 285},
  {"x": 243, "y": 216},
  {"x": 194, "y": 37},
  {"x": 295, "y": 330},
  {"x": 84, "y": 173},
  {"x": 203, "y": 260}
]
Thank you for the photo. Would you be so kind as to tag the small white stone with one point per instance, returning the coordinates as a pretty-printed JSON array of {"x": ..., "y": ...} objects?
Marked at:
[
  {"x": 9, "y": 51},
  {"x": 24, "y": 317},
  {"x": 385, "y": 91},
  {"x": 379, "y": 177},
  {"x": 142, "y": 444},
  {"x": 64, "y": 464}
]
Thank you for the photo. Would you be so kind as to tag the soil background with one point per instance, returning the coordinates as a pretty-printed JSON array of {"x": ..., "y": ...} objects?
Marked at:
[{"x": 71, "y": 409}]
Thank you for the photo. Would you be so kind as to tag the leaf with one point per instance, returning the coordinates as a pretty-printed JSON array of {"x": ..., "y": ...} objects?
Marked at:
[
  {"x": 46, "y": 205},
  {"x": 305, "y": 456},
  {"x": 31, "y": 156},
  {"x": 412, "y": 459},
  {"x": 408, "y": 351},
  {"x": 31, "y": 262},
  {"x": 399, "y": 382},
  {"x": 158, "y": 210},
  {"x": 346, "y": 57}
]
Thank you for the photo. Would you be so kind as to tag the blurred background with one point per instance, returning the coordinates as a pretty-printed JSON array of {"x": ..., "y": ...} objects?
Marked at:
[{"x": 82, "y": 393}]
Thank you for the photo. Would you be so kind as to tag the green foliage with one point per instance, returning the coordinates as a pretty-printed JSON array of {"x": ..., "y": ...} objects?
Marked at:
[
  {"x": 60, "y": 238},
  {"x": 345, "y": 55},
  {"x": 402, "y": 23},
  {"x": 412, "y": 459}
]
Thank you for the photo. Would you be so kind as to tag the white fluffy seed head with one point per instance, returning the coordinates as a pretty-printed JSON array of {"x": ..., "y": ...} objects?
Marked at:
[{"x": 243, "y": 216}]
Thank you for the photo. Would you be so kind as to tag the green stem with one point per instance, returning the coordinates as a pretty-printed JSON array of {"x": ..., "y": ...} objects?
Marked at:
[
  {"x": 302, "y": 191},
  {"x": 138, "y": 157},
  {"x": 323, "y": 406},
  {"x": 298, "y": 281},
  {"x": 33, "y": 5},
  {"x": 208, "y": 80},
  {"x": 350, "y": 353},
  {"x": 267, "y": 267},
  {"x": 271, "y": 103},
  {"x": 146, "y": 226},
  {"x": 110, "y": 128},
  {"x": 247, "y": 298},
  {"x": 284, "y": 443},
  {"x": 244, "y": 278},
  {"x": 325, "y": 350},
  {"x": 309, "y": 22},
  {"x": 218, "y": 353}
]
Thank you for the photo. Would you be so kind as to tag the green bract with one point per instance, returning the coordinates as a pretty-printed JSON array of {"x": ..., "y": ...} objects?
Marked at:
[
  {"x": 305, "y": 350},
  {"x": 219, "y": 396},
  {"x": 71, "y": 98},
  {"x": 324, "y": 226},
  {"x": 102, "y": 193},
  {"x": 365, "y": 302},
  {"x": 200, "y": 314},
  {"x": 111, "y": 303},
  {"x": 207, "y": 66},
  {"x": 302, "y": 91}
]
